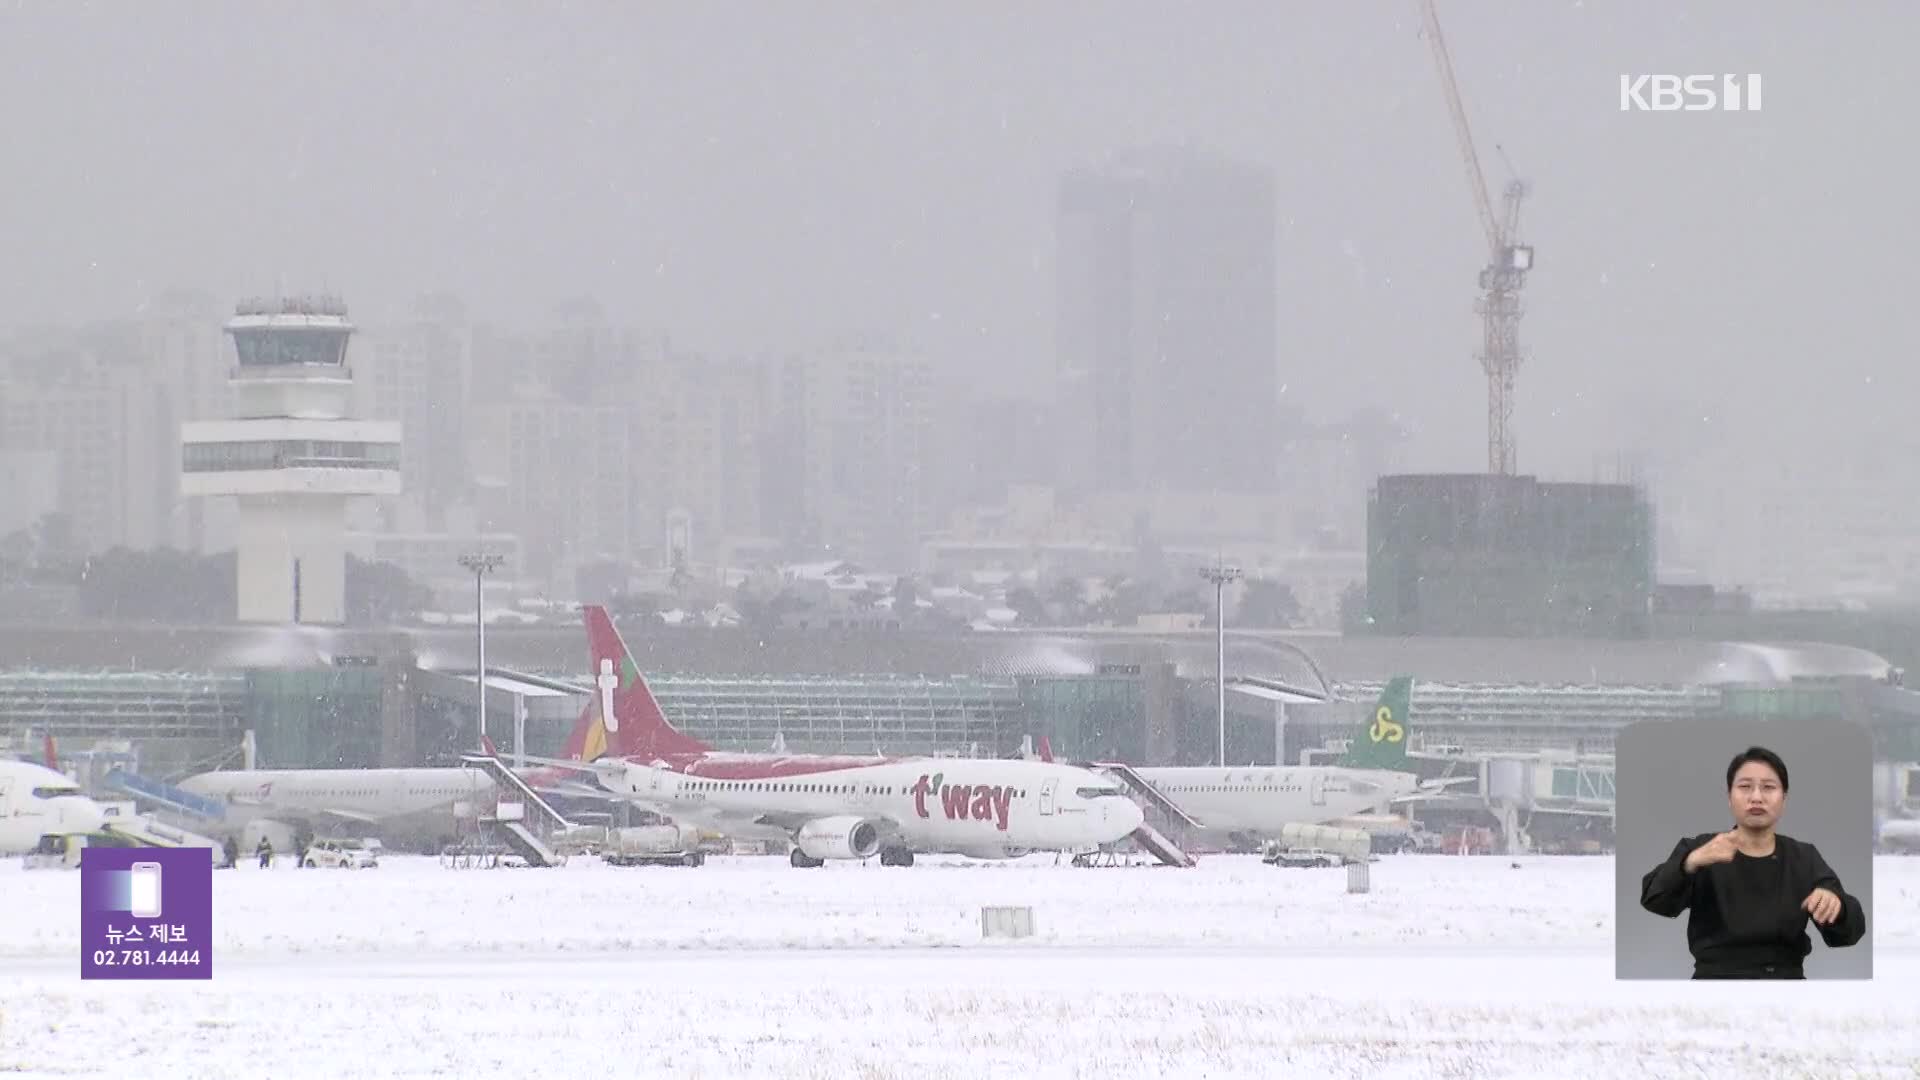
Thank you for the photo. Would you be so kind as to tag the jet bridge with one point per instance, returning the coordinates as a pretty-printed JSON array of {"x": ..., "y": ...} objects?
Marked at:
[
  {"x": 123, "y": 824},
  {"x": 167, "y": 797}
]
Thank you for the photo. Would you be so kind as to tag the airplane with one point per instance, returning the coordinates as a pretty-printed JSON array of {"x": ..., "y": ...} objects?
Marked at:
[
  {"x": 1898, "y": 835},
  {"x": 39, "y": 806},
  {"x": 403, "y": 805},
  {"x": 838, "y": 806},
  {"x": 1258, "y": 801}
]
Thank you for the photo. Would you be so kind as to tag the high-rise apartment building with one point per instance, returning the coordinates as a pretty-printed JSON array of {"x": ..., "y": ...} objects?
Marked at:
[{"x": 1165, "y": 330}]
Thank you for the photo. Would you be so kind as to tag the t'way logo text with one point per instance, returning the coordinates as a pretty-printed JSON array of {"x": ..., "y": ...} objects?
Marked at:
[{"x": 960, "y": 802}]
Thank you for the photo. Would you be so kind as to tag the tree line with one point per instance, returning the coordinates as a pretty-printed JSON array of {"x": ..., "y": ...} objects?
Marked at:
[{"x": 166, "y": 585}]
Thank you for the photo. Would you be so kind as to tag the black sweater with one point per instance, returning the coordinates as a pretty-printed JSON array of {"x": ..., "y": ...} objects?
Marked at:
[{"x": 1746, "y": 919}]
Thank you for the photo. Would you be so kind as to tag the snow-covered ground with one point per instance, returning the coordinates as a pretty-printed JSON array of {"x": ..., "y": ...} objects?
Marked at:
[{"x": 747, "y": 967}]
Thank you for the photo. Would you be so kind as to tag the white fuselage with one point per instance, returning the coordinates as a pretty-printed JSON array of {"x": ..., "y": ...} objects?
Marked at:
[
  {"x": 1261, "y": 800},
  {"x": 1900, "y": 834},
  {"x": 982, "y": 807},
  {"x": 422, "y": 797},
  {"x": 37, "y": 802}
]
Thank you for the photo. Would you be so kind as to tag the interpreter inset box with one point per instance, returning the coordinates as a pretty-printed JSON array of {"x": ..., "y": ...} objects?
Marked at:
[{"x": 1743, "y": 850}]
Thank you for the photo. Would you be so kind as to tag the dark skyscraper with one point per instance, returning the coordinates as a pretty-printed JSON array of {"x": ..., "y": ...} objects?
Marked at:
[{"x": 1166, "y": 323}]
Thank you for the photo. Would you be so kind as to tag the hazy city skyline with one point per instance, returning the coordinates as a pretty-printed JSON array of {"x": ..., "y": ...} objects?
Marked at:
[{"x": 769, "y": 179}]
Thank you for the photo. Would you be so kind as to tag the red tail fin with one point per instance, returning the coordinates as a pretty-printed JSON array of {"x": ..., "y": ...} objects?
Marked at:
[
  {"x": 487, "y": 747},
  {"x": 53, "y": 760},
  {"x": 1046, "y": 749},
  {"x": 637, "y": 727}
]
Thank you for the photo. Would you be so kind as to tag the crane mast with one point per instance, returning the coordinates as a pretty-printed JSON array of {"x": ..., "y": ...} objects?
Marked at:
[{"x": 1505, "y": 272}]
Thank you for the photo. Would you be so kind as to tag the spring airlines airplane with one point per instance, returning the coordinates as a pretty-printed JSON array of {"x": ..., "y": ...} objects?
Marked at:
[
  {"x": 37, "y": 802},
  {"x": 838, "y": 807},
  {"x": 1258, "y": 802}
]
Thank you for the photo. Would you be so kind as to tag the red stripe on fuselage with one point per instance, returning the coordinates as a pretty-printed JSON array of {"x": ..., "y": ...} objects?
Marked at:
[{"x": 767, "y": 767}]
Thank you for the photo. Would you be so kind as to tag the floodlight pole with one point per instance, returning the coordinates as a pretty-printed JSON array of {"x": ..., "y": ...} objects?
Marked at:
[
  {"x": 1220, "y": 575},
  {"x": 481, "y": 563}
]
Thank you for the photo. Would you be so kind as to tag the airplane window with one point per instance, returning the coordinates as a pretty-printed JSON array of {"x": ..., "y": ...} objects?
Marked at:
[{"x": 54, "y": 792}]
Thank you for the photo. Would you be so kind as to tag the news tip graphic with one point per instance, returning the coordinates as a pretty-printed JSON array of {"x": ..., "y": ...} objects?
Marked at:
[{"x": 146, "y": 913}]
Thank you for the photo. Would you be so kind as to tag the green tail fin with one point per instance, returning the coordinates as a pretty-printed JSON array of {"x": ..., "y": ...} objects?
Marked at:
[{"x": 1381, "y": 742}]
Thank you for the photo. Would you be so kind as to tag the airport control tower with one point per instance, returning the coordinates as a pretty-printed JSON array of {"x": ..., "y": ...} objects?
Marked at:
[{"x": 292, "y": 457}]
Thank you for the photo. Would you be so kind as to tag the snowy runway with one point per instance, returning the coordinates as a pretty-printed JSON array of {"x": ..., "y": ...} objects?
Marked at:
[{"x": 1450, "y": 967}]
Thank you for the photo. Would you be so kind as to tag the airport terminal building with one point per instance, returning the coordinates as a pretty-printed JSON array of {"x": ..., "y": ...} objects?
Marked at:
[{"x": 183, "y": 700}]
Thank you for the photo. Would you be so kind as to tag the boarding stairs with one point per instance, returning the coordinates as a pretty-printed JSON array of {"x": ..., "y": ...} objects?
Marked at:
[
  {"x": 167, "y": 797},
  {"x": 1156, "y": 843},
  {"x": 526, "y": 844},
  {"x": 538, "y": 808},
  {"x": 521, "y": 824},
  {"x": 1150, "y": 839}
]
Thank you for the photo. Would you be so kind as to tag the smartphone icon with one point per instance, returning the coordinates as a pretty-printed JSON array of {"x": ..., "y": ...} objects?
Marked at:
[{"x": 145, "y": 879}]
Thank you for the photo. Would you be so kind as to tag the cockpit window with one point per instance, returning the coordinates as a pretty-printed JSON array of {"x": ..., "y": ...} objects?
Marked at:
[
  {"x": 1098, "y": 792},
  {"x": 55, "y": 792}
]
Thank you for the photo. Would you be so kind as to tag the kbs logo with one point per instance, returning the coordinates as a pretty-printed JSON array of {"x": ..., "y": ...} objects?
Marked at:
[
  {"x": 1689, "y": 93},
  {"x": 960, "y": 802}
]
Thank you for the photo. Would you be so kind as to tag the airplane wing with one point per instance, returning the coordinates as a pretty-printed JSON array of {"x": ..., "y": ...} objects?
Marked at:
[
  {"x": 551, "y": 763},
  {"x": 572, "y": 791},
  {"x": 783, "y": 826},
  {"x": 598, "y": 769},
  {"x": 350, "y": 816},
  {"x": 793, "y": 822}
]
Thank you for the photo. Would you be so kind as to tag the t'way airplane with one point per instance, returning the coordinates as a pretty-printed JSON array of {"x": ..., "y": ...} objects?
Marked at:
[{"x": 838, "y": 807}]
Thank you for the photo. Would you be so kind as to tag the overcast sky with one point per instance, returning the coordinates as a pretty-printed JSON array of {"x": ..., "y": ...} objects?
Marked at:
[{"x": 751, "y": 174}]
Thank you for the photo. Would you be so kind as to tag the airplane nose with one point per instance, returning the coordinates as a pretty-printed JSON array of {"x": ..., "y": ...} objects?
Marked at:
[
  {"x": 81, "y": 816},
  {"x": 1128, "y": 814}
]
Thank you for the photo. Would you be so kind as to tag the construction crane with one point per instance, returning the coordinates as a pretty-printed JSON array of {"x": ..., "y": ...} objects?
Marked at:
[{"x": 1505, "y": 274}]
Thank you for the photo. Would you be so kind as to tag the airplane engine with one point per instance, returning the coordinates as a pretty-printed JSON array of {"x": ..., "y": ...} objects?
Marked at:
[{"x": 846, "y": 837}]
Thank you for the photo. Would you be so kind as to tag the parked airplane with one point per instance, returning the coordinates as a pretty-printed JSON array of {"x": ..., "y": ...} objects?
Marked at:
[
  {"x": 1256, "y": 802},
  {"x": 839, "y": 807},
  {"x": 37, "y": 803},
  {"x": 1899, "y": 835},
  {"x": 401, "y": 805}
]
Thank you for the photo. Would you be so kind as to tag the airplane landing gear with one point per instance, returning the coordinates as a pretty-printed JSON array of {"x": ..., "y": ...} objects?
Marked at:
[
  {"x": 801, "y": 859},
  {"x": 896, "y": 857}
]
